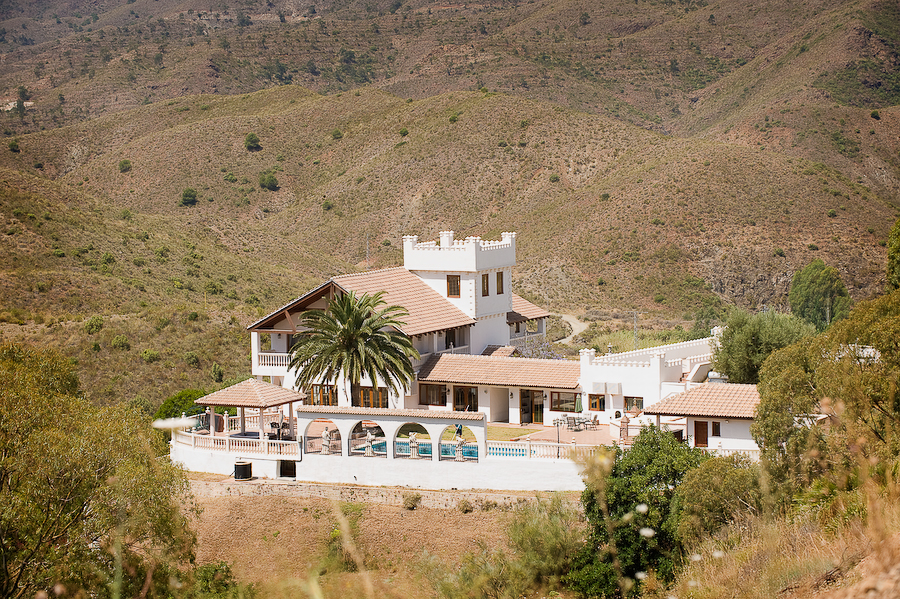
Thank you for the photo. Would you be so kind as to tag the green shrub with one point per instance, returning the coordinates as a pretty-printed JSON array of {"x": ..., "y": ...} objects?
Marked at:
[
  {"x": 150, "y": 355},
  {"x": 813, "y": 247},
  {"x": 454, "y": 118},
  {"x": 502, "y": 143},
  {"x": 217, "y": 372},
  {"x": 181, "y": 403},
  {"x": 251, "y": 142},
  {"x": 327, "y": 205},
  {"x": 124, "y": 165},
  {"x": 59, "y": 253},
  {"x": 213, "y": 288},
  {"x": 93, "y": 325},
  {"x": 120, "y": 342},
  {"x": 188, "y": 197},
  {"x": 875, "y": 115},
  {"x": 832, "y": 213},
  {"x": 192, "y": 359},
  {"x": 554, "y": 178},
  {"x": 465, "y": 506},
  {"x": 411, "y": 500},
  {"x": 336, "y": 134},
  {"x": 14, "y": 145},
  {"x": 107, "y": 258},
  {"x": 268, "y": 181},
  {"x": 193, "y": 316},
  {"x": 779, "y": 252},
  {"x": 230, "y": 177},
  {"x": 404, "y": 132}
]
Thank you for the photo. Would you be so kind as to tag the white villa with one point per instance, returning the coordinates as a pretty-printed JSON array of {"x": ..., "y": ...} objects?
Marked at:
[
  {"x": 467, "y": 326},
  {"x": 466, "y": 323}
]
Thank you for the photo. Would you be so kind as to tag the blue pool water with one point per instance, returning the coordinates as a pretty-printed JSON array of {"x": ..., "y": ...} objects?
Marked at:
[{"x": 448, "y": 450}]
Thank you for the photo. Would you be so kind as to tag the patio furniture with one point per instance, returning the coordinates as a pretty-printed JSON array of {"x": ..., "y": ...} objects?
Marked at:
[{"x": 573, "y": 423}]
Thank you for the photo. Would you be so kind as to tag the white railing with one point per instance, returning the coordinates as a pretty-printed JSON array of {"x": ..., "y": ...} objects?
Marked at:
[
  {"x": 462, "y": 349},
  {"x": 251, "y": 421},
  {"x": 237, "y": 445},
  {"x": 753, "y": 454},
  {"x": 534, "y": 450},
  {"x": 274, "y": 359}
]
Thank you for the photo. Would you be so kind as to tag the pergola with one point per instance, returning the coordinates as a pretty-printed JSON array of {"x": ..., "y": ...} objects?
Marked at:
[{"x": 253, "y": 394}]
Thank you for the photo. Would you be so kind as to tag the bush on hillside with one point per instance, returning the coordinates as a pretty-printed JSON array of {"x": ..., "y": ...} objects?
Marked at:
[
  {"x": 181, "y": 403},
  {"x": 93, "y": 325},
  {"x": 713, "y": 494},
  {"x": 121, "y": 342},
  {"x": 124, "y": 166},
  {"x": 251, "y": 142},
  {"x": 268, "y": 181},
  {"x": 188, "y": 197},
  {"x": 628, "y": 506}
]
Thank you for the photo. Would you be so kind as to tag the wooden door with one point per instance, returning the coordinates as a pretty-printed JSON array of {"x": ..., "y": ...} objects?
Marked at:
[{"x": 701, "y": 438}]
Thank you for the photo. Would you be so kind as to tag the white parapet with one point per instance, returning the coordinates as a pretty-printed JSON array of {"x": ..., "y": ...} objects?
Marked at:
[{"x": 469, "y": 255}]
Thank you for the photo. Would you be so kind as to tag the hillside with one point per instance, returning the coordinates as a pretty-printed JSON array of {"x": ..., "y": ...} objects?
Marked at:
[
  {"x": 803, "y": 78},
  {"x": 654, "y": 157}
]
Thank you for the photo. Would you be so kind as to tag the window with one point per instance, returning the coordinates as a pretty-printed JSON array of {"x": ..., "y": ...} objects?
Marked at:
[
  {"x": 596, "y": 402},
  {"x": 485, "y": 285},
  {"x": 322, "y": 395},
  {"x": 500, "y": 283},
  {"x": 563, "y": 401},
  {"x": 634, "y": 404},
  {"x": 716, "y": 429},
  {"x": 372, "y": 398},
  {"x": 452, "y": 285},
  {"x": 465, "y": 399},
  {"x": 432, "y": 395}
]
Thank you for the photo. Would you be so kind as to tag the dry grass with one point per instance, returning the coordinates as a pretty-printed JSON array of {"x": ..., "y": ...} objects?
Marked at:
[{"x": 800, "y": 558}]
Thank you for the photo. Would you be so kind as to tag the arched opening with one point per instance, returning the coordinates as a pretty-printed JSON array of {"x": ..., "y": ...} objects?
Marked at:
[
  {"x": 458, "y": 444},
  {"x": 413, "y": 442},
  {"x": 322, "y": 437},
  {"x": 368, "y": 440}
]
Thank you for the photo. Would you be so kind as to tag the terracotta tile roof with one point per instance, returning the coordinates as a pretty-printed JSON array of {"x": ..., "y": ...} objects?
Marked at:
[
  {"x": 251, "y": 394},
  {"x": 500, "y": 372},
  {"x": 428, "y": 310},
  {"x": 523, "y": 310},
  {"x": 417, "y": 414},
  {"x": 500, "y": 351},
  {"x": 714, "y": 400}
]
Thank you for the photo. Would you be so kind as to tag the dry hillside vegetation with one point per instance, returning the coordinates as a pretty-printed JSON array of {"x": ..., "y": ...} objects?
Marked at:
[
  {"x": 664, "y": 157},
  {"x": 293, "y": 535}
]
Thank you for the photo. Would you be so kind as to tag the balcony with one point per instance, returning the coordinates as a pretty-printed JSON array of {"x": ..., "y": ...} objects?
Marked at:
[{"x": 271, "y": 364}]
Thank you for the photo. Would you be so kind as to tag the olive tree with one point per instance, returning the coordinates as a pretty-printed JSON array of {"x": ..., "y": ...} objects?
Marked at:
[
  {"x": 748, "y": 339},
  {"x": 85, "y": 500}
]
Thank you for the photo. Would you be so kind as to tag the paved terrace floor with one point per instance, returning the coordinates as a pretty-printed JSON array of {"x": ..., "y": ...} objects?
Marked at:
[{"x": 600, "y": 436}]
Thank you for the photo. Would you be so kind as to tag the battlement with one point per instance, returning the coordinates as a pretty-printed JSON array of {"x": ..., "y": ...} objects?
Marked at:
[{"x": 472, "y": 254}]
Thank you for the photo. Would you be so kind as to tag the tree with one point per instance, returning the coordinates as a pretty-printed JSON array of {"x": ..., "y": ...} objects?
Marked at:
[
  {"x": 848, "y": 374},
  {"x": 818, "y": 295},
  {"x": 713, "y": 493},
  {"x": 84, "y": 498},
  {"x": 748, "y": 339},
  {"x": 893, "y": 258},
  {"x": 251, "y": 142},
  {"x": 188, "y": 197},
  {"x": 628, "y": 505},
  {"x": 354, "y": 337}
]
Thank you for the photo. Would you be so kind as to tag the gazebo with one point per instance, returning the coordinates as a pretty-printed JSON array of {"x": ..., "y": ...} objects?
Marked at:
[{"x": 257, "y": 395}]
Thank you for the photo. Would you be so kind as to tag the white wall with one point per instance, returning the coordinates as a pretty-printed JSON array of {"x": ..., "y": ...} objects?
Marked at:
[
  {"x": 735, "y": 434},
  {"x": 508, "y": 474}
]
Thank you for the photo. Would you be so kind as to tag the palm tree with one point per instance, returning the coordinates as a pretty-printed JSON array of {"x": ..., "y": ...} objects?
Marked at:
[{"x": 353, "y": 337}]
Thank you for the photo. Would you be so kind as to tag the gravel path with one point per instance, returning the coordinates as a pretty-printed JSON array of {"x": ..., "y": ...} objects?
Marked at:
[{"x": 577, "y": 327}]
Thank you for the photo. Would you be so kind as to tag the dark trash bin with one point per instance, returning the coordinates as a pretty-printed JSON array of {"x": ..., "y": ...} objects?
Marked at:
[{"x": 243, "y": 470}]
